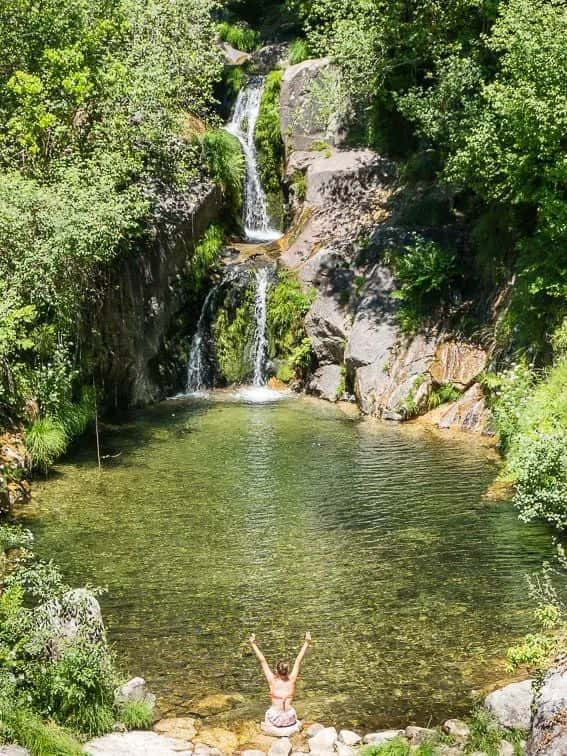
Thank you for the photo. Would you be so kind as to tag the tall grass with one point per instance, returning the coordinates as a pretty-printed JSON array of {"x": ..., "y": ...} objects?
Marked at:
[
  {"x": 46, "y": 440},
  {"x": 239, "y": 36},
  {"x": 298, "y": 51},
  {"x": 136, "y": 715},
  {"x": 224, "y": 158},
  {"x": 42, "y": 738}
]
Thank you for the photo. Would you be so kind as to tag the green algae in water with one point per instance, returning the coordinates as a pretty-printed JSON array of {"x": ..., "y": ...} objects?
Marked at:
[{"x": 220, "y": 518}]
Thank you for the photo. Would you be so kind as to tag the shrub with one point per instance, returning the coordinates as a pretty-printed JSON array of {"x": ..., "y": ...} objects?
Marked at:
[
  {"x": 225, "y": 161},
  {"x": 46, "y": 440},
  {"x": 238, "y": 35},
  {"x": 424, "y": 272},
  {"x": 441, "y": 395},
  {"x": 234, "y": 79},
  {"x": 540, "y": 467},
  {"x": 298, "y": 51},
  {"x": 486, "y": 734},
  {"x": 41, "y": 738},
  {"x": 205, "y": 255},
  {"x": 508, "y": 395},
  {"x": 287, "y": 306},
  {"x": 299, "y": 185},
  {"x": 268, "y": 135},
  {"x": 136, "y": 715}
]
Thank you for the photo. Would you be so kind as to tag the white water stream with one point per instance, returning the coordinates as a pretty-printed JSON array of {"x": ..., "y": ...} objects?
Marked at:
[{"x": 257, "y": 225}]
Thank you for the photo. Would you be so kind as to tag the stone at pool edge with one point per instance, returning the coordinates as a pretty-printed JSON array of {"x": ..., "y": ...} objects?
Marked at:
[
  {"x": 349, "y": 738},
  {"x": 134, "y": 690},
  {"x": 281, "y": 747},
  {"x": 137, "y": 742},
  {"x": 324, "y": 740},
  {"x": 457, "y": 729},
  {"x": 418, "y": 735},
  {"x": 378, "y": 738},
  {"x": 512, "y": 705},
  {"x": 313, "y": 729}
]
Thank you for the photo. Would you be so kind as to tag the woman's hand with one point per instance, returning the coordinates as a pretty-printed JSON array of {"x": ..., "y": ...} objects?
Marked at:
[
  {"x": 252, "y": 639},
  {"x": 308, "y": 638}
]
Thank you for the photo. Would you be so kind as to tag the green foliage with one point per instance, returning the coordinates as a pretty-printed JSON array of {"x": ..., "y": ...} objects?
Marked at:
[
  {"x": 234, "y": 79},
  {"x": 40, "y": 737},
  {"x": 46, "y": 440},
  {"x": 239, "y": 35},
  {"x": 399, "y": 747},
  {"x": 14, "y": 537},
  {"x": 136, "y": 715},
  {"x": 424, "y": 272},
  {"x": 224, "y": 158},
  {"x": 206, "y": 255},
  {"x": 486, "y": 735},
  {"x": 299, "y": 185},
  {"x": 233, "y": 329},
  {"x": 287, "y": 307},
  {"x": 268, "y": 135},
  {"x": 442, "y": 395},
  {"x": 298, "y": 51},
  {"x": 549, "y": 637}
]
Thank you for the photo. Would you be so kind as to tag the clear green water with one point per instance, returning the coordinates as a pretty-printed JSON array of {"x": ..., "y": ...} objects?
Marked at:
[{"x": 221, "y": 518}]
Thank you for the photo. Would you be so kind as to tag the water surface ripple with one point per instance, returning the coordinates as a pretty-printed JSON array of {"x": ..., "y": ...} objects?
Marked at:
[{"x": 223, "y": 517}]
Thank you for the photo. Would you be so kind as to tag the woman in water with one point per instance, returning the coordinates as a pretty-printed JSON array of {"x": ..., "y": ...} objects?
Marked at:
[{"x": 282, "y": 685}]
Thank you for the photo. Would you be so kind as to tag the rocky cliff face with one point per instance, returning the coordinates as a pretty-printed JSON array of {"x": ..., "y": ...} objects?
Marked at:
[
  {"x": 360, "y": 350},
  {"x": 145, "y": 295}
]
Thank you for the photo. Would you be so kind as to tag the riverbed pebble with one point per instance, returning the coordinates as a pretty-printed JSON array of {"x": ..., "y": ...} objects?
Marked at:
[{"x": 377, "y": 738}]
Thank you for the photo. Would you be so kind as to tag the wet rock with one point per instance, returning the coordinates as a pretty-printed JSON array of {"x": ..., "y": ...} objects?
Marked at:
[
  {"x": 134, "y": 690},
  {"x": 378, "y": 738},
  {"x": 327, "y": 382},
  {"x": 328, "y": 328},
  {"x": 511, "y": 705},
  {"x": 324, "y": 740},
  {"x": 549, "y": 730},
  {"x": 468, "y": 414},
  {"x": 281, "y": 747},
  {"x": 457, "y": 363},
  {"x": 335, "y": 177},
  {"x": 216, "y": 703},
  {"x": 269, "y": 57},
  {"x": 137, "y": 743},
  {"x": 349, "y": 738},
  {"x": 303, "y": 120},
  {"x": 182, "y": 728},
  {"x": 418, "y": 735},
  {"x": 457, "y": 729},
  {"x": 223, "y": 740},
  {"x": 231, "y": 55}
]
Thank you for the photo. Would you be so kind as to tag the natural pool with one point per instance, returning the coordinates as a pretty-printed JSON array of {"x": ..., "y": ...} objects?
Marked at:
[{"x": 220, "y": 517}]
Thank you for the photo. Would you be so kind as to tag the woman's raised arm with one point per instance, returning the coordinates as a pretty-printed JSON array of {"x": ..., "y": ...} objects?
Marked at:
[
  {"x": 300, "y": 656},
  {"x": 268, "y": 674}
]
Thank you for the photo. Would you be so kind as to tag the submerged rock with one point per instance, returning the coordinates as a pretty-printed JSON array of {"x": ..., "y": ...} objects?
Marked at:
[
  {"x": 512, "y": 705},
  {"x": 216, "y": 703},
  {"x": 182, "y": 728}
]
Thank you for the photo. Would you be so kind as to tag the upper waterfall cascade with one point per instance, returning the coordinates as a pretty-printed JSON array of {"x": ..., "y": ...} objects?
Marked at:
[{"x": 256, "y": 219}]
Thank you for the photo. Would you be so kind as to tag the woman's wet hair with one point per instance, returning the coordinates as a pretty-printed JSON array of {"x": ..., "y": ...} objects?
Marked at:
[{"x": 282, "y": 669}]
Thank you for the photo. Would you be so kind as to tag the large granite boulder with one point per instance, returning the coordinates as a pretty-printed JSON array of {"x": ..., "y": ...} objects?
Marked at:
[
  {"x": 305, "y": 116},
  {"x": 457, "y": 363},
  {"x": 549, "y": 730},
  {"x": 327, "y": 325},
  {"x": 340, "y": 175},
  {"x": 512, "y": 705},
  {"x": 468, "y": 414},
  {"x": 231, "y": 55},
  {"x": 327, "y": 382},
  {"x": 76, "y": 616},
  {"x": 374, "y": 331}
]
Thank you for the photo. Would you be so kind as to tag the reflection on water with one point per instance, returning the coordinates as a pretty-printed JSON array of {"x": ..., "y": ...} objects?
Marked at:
[{"x": 220, "y": 518}]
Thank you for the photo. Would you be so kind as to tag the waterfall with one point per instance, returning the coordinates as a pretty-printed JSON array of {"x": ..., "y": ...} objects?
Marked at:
[
  {"x": 260, "y": 346},
  {"x": 257, "y": 226},
  {"x": 197, "y": 373}
]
